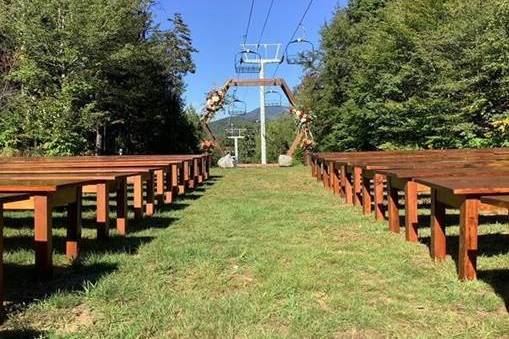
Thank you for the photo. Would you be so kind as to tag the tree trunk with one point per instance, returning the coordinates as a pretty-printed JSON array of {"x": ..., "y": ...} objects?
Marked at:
[{"x": 98, "y": 140}]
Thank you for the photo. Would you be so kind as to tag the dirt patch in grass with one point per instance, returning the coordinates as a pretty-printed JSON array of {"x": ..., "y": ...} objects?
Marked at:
[
  {"x": 81, "y": 317},
  {"x": 358, "y": 334},
  {"x": 238, "y": 277}
]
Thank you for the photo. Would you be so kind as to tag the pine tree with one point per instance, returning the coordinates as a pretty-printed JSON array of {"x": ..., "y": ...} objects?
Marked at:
[{"x": 89, "y": 77}]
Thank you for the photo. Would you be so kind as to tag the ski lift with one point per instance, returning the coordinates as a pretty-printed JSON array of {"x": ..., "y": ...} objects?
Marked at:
[
  {"x": 273, "y": 99},
  {"x": 247, "y": 61},
  {"x": 300, "y": 51},
  {"x": 237, "y": 107}
]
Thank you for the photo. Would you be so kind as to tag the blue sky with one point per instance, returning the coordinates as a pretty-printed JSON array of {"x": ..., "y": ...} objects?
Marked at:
[{"x": 218, "y": 26}]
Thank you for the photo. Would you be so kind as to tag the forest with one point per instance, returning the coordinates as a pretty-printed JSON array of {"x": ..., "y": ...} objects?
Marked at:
[
  {"x": 98, "y": 77},
  {"x": 398, "y": 74}
]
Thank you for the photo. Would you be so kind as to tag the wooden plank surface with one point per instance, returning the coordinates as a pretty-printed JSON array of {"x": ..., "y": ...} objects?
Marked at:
[
  {"x": 468, "y": 185},
  {"x": 66, "y": 169},
  {"x": 49, "y": 185},
  {"x": 66, "y": 176},
  {"x": 443, "y": 172}
]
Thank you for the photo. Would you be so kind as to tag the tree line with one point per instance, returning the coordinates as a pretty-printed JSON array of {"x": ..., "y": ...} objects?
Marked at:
[
  {"x": 395, "y": 74},
  {"x": 92, "y": 76}
]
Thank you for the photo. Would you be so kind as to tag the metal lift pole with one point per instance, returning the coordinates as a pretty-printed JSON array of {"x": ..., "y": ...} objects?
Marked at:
[{"x": 263, "y": 142}]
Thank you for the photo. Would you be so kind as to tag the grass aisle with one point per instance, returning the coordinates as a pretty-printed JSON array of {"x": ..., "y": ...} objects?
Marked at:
[{"x": 268, "y": 253}]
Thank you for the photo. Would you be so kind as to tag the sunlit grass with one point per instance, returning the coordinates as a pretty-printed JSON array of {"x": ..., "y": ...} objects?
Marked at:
[{"x": 258, "y": 253}]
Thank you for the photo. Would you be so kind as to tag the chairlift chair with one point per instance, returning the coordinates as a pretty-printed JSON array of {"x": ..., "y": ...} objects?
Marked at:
[
  {"x": 237, "y": 108},
  {"x": 273, "y": 99},
  {"x": 299, "y": 52},
  {"x": 247, "y": 61}
]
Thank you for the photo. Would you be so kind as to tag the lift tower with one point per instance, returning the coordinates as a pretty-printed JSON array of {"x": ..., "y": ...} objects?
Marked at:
[{"x": 254, "y": 58}]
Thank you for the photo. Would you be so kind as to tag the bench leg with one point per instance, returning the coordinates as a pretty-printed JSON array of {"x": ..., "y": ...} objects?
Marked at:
[
  {"x": 169, "y": 191},
  {"x": 182, "y": 178},
  {"x": 43, "y": 224},
  {"x": 378, "y": 182},
  {"x": 204, "y": 168},
  {"x": 366, "y": 196},
  {"x": 189, "y": 183},
  {"x": 149, "y": 207},
  {"x": 411, "y": 217},
  {"x": 73, "y": 239},
  {"x": 331, "y": 175},
  {"x": 159, "y": 187},
  {"x": 103, "y": 209},
  {"x": 342, "y": 181},
  {"x": 467, "y": 258},
  {"x": 197, "y": 173},
  {"x": 122, "y": 206},
  {"x": 393, "y": 208},
  {"x": 325, "y": 175},
  {"x": 319, "y": 172},
  {"x": 336, "y": 184},
  {"x": 348, "y": 189},
  {"x": 438, "y": 240},
  {"x": 138, "y": 197},
  {"x": 357, "y": 183}
]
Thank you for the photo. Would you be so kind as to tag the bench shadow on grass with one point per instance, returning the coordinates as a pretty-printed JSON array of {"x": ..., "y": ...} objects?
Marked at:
[
  {"x": 23, "y": 289},
  {"x": 21, "y": 286},
  {"x": 497, "y": 279},
  {"x": 22, "y": 334},
  {"x": 489, "y": 245}
]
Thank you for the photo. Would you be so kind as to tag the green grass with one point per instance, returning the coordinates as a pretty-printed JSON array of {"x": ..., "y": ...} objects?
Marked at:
[{"x": 258, "y": 253}]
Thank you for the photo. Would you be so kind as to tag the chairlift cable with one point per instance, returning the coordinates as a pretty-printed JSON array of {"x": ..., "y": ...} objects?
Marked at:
[
  {"x": 265, "y": 22},
  {"x": 295, "y": 31},
  {"x": 249, "y": 21}
]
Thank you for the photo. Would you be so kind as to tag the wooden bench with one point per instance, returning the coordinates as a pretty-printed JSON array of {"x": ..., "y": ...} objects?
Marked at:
[
  {"x": 403, "y": 180},
  {"x": 358, "y": 171},
  {"x": 135, "y": 176},
  {"x": 324, "y": 160},
  {"x": 41, "y": 184},
  {"x": 46, "y": 195},
  {"x": 183, "y": 165},
  {"x": 464, "y": 194},
  {"x": 200, "y": 162},
  {"x": 464, "y": 179},
  {"x": 105, "y": 182}
]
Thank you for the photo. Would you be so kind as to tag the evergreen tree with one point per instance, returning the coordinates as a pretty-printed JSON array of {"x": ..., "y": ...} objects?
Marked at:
[
  {"x": 412, "y": 74},
  {"x": 89, "y": 77}
]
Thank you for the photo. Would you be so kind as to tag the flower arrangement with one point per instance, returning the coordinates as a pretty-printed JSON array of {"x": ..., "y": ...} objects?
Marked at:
[
  {"x": 303, "y": 117},
  {"x": 307, "y": 143},
  {"x": 215, "y": 100},
  {"x": 208, "y": 145}
]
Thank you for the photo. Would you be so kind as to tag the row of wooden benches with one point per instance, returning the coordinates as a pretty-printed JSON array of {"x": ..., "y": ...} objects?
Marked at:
[
  {"x": 468, "y": 180},
  {"x": 41, "y": 184}
]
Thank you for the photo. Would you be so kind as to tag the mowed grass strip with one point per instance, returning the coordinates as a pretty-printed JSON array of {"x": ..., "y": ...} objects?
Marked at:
[{"x": 263, "y": 253}]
